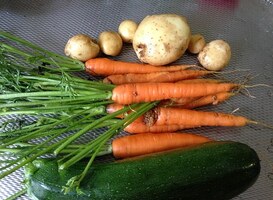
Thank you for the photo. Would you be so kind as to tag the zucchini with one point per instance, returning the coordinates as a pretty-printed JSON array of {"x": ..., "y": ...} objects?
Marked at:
[{"x": 214, "y": 170}]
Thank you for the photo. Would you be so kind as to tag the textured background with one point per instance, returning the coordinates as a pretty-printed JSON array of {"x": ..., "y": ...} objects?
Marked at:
[{"x": 246, "y": 25}]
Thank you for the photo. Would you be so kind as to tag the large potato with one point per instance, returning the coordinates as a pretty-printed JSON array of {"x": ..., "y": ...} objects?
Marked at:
[{"x": 161, "y": 39}]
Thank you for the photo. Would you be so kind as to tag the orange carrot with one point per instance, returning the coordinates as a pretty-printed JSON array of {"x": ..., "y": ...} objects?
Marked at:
[
  {"x": 113, "y": 107},
  {"x": 140, "y": 144},
  {"x": 186, "y": 103},
  {"x": 210, "y": 99},
  {"x": 139, "y": 126},
  {"x": 186, "y": 100},
  {"x": 201, "y": 80},
  {"x": 105, "y": 67},
  {"x": 155, "y": 77},
  {"x": 178, "y": 101},
  {"x": 147, "y": 92},
  {"x": 196, "y": 102},
  {"x": 166, "y": 116}
]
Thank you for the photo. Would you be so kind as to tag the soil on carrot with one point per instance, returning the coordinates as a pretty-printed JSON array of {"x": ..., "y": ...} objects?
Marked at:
[{"x": 151, "y": 116}]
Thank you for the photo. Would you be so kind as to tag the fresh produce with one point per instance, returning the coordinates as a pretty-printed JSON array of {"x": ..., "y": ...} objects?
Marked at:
[
  {"x": 170, "y": 115},
  {"x": 215, "y": 55},
  {"x": 37, "y": 83},
  {"x": 182, "y": 103},
  {"x": 161, "y": 39},
  {"x": 141, "y": 92},
  {"x": 127, "y": 29},
  {"x": 37, "y": 88},
  {"x": 133, "y": 145},
  {"x": 197, "y": 43},
  {"x": 105, "y": 67},
  {"x": 145, "y": 143},
  {"x": 138, "y": 126},
  {"x": 180, "y": 118},
  {"x": 210, "y": 171},
  {"x": 155, "y": 77},
  {"x": 202, "y": 80},
  {"x": 207, "y": 100},
  {"x": 110, "y": 43},
  {"x": 82, "y": 47}
]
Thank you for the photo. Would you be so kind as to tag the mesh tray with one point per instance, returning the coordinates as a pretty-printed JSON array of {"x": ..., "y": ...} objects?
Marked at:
[{"x": 246, "y": 25}]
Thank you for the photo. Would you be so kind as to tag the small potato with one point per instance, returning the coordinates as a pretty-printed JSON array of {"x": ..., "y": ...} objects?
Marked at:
[
  {"x": 215, "y": 55},
  {"x": 81, "y": 47},
  {"x": 127, "y": 29},
  {"x": 161, "y": 39},
  {"x": 110, "y": 43},
  {"x": 196, "y": 44}
]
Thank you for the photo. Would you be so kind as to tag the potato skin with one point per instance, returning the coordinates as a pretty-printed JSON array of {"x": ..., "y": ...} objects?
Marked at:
[
  {"x": 127, "y": 29},
  {"x": 197, "y": 43},
  {"x": 81, "y": 47},
  {"x": 215, "y": 55},
  {"x": 110, "y": 43},
  {"x": 161, "y": 39}
]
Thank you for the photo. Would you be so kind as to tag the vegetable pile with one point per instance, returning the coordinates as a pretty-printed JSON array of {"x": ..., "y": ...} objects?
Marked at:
[{"x": 151, "y": 102}]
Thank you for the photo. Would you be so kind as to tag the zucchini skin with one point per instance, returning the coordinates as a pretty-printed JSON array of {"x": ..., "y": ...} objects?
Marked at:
[{"x": 211, "y": 171}]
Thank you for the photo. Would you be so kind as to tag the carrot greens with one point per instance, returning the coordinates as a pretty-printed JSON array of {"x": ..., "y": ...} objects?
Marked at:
[
  {"x": 35, "y": 56},
  {"x": 65, "y": 110}
]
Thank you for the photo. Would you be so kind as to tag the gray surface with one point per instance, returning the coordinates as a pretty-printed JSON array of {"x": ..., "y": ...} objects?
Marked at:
[{"x": 246, "y": 25}]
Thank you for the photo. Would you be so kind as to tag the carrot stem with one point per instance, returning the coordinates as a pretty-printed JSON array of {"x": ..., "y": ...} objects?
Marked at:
[
  {"x": 64, "y": 62},
  {"x": 73, "y": 137},
  {"x": 98, "y": 143}
]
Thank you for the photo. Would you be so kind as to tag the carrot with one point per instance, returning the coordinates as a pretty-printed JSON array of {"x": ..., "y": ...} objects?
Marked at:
[
  {"x": 187, "y": 100},
  {"x": 178, "y": 101},
  {"x": 147, "y": 92},
  {"x": 210, "y": 99},
  {"x": 140, "y": 144},
  {"x": 155, "y": 77},
  {"x": 195, "y": 102},
  {"x": 186, "y": 103},
  {"x": 166, "y": 116},
  {"x": 139, "y": 126},
  {"x": 105, "y": 67},
  {"x": 201, "y": 80},
  {"x": 113, "y": 107}
]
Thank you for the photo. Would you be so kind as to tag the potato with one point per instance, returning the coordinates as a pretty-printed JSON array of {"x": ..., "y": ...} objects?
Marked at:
[
  {"x": 197, "y": 43},
  {"x": 81, "y": 47},
  {"x": 215, "y": 55},
  {"x": 161, "y": 39},
  {"x": 110, "y": 43},
  {"x": 127, "y": 29}
]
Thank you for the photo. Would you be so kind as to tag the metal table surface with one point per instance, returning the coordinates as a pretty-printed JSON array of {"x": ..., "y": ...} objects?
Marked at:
[{"x": 246, "y": 24}]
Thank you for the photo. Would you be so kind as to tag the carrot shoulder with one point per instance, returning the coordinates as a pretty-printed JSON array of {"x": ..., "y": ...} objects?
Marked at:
[
  {"x": 147, "y": 92},
  {"x": 140, "y": 144},
  {"x": 105, "y": 67}
]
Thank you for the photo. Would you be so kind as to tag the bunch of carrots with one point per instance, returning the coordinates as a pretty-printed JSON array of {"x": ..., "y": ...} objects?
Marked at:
[{"x": 152, "y": 103}]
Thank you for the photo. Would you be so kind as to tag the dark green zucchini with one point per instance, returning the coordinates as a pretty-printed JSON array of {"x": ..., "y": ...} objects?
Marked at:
[{"x": 215, "y": 170}]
